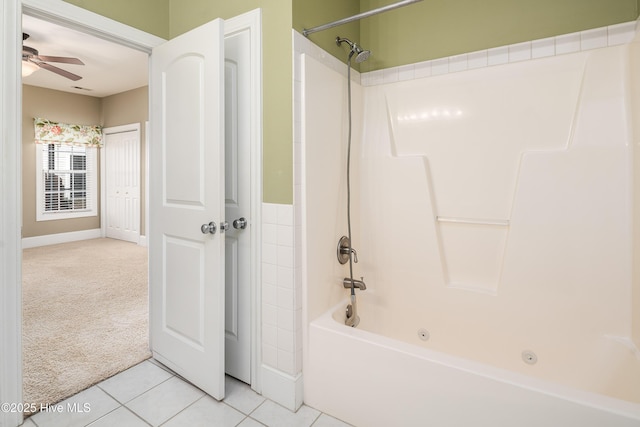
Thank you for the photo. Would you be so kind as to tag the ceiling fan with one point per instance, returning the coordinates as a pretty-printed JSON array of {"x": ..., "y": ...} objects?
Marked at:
[{"x": 32, "y": 56}]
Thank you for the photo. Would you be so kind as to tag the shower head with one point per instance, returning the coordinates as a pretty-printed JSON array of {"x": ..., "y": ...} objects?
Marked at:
[{"x": 361, "y": 54}]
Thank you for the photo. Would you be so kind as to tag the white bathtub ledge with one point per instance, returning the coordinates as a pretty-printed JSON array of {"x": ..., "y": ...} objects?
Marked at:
[{"x": 573, "y": 400}]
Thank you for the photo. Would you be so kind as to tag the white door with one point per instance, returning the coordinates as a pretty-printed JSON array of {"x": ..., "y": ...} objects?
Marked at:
[
  {"x": 238, "y": 205},
  {"x": 122, "y": 187},
  {"x": 186, "y": 271}
]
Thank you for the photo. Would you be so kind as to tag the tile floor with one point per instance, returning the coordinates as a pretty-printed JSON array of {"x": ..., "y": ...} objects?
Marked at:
[{"x": 148, "y": 394}]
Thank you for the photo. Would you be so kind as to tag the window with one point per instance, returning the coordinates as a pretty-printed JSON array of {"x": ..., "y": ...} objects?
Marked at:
[
  {"x": 67, "y": 181},
  {"x": 66, "y": 174}
]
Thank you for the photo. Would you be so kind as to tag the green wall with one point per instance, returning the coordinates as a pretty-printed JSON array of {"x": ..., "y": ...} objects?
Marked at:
[
  {"x": 312, "y": 13},
  {"x": 277, "y": 80},
  {"x": 439, "y": 28},
  {"x": 151, "y": 16}
]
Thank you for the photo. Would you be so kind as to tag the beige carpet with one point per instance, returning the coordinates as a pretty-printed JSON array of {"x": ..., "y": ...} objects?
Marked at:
[{"x": 85, "y": 315}]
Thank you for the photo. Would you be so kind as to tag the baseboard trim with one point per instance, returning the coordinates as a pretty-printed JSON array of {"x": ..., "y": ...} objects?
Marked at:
[
  {"x": 54, "y": 239},
  {"x": 282, "y": 388},
  {"x": 142, "y": 241}
]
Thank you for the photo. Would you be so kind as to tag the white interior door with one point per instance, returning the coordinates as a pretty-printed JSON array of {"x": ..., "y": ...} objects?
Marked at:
[
  {"x": 186, "y": 262},
  {"x": 122, "y": 164},
  {"x": 238, "y": 205}
]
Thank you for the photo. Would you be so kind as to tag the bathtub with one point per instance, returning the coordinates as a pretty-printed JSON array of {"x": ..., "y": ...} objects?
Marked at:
[
  {"x": 368, "y": 379},
  {"x": 501, "y": 236}
]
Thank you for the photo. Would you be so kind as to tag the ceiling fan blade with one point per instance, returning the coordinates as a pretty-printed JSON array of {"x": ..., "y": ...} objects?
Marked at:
[
  {"x": 58, "y": 71},
  {"x": 60, "y": 59}
]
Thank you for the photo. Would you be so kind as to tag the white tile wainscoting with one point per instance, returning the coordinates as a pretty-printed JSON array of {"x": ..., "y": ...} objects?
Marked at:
[{"x": 281, "y": 308}]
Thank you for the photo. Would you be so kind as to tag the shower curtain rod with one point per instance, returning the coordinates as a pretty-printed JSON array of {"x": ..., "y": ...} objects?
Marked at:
[{"x": 306, "y": 32}]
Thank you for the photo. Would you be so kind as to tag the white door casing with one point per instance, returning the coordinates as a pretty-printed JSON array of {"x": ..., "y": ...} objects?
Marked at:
[
  {"x": 121, "y": 178},
  {"x": 186, "y": 265},
  {"x": 10, "y": 213},
  {"x": 238, "y": 205},
  {"x": 64, "y": 13},
  {"x": 11, "y": 175}
]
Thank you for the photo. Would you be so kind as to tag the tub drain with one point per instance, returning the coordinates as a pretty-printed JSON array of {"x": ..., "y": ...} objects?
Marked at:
[
  {"x": 423, "y": 334},
  {"x": 529, "y": 357}
]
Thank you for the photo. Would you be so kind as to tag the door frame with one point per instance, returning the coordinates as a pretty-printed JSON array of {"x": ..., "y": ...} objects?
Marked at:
[
  {"x": 132, "y": 127},
  {"x": 63, "y": 13},
  {"x": 252, "y": 21}
]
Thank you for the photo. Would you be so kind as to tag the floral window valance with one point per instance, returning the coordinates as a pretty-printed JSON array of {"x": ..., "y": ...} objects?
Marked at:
[{"x": 48, "y": 132}]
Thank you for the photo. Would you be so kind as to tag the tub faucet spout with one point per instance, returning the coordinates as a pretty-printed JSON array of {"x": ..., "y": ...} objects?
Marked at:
[{"x": 346, "y": 282}]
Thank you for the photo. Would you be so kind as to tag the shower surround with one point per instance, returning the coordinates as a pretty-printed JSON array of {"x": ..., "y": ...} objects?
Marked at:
[{"x": 494, "y": 222}]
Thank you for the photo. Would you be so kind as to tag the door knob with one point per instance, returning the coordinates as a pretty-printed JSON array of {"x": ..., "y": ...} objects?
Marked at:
[
  {"x": 224, "y": 226},
  {"x": 208, "y": 228},
  {"x": 240, "y": 223}
]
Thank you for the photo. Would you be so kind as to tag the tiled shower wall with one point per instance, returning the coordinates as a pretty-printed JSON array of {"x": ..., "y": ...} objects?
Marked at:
[{"x": 612, "y": 35}]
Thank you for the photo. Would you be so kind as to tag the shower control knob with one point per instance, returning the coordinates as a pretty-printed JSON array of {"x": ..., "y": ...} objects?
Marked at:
[{"x": 240, "y": 223}]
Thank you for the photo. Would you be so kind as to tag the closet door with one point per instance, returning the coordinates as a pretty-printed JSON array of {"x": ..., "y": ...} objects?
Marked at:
[{"x": 122, "y": 152}]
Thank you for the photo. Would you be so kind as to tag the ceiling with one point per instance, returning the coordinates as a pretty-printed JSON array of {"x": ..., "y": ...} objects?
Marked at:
[{"x": 109, "y": 67}]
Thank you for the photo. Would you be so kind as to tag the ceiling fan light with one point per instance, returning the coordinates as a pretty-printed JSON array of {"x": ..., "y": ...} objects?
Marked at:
[{"x": 28, "y": 68}]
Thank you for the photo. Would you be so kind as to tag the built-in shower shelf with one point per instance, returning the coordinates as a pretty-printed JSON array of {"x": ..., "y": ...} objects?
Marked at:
[
  {"x": 472, "y": 251},
  {"x": 456, "y": 220}
]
